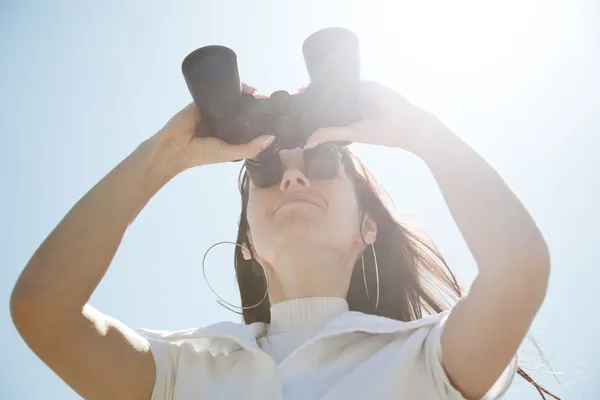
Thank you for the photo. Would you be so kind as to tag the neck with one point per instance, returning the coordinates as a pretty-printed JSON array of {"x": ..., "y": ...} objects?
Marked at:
[{"x": 305, "y": 276}]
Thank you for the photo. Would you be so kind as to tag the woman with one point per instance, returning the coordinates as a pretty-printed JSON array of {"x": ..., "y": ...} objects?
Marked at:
[{"x": 333, "y": 288}]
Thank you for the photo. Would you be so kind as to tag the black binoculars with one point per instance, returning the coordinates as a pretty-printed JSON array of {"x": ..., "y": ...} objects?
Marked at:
[{"x": 332, "y": 60}]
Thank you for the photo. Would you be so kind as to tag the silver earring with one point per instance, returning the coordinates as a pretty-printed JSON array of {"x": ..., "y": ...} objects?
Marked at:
[
  {"x": 221, "y": 300},
  {"x": 376, "y": 274}
]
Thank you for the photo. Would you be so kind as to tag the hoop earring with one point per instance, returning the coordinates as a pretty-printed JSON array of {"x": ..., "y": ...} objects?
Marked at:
[
  {"x": 221, "y": 300},
  {"x": 362, "y": 257}
]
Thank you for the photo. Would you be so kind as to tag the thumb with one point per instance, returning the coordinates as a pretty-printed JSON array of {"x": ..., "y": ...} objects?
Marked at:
[{"x": 253, "y": 147}]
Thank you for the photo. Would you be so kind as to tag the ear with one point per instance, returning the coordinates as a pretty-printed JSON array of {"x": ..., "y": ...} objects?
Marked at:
[{"x": 369, "y": 230}]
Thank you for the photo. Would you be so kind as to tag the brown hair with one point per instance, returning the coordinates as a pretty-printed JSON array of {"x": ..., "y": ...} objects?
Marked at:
[{"x": 414, "y": 277}]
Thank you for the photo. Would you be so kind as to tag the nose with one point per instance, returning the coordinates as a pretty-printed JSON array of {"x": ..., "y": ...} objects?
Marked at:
[{"x": 293, "y": 179}]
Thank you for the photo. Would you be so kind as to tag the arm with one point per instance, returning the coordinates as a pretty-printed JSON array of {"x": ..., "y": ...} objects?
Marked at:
[
  {"x": 96, "y": 355},
  {"x": 485, "y": 329}
]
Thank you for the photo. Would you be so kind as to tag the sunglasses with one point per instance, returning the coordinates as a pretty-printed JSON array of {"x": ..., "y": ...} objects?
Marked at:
[{"x": 321, "y": 162}]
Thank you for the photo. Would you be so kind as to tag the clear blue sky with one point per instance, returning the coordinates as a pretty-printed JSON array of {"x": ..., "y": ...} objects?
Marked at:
[{"x": 83, "y": 83}]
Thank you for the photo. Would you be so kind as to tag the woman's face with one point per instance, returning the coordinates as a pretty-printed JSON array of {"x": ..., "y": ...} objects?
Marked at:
[{"x": 299, "y": 213}]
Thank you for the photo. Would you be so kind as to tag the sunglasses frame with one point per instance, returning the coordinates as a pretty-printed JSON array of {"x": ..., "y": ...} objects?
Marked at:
[{"x": 310, "y": 156}]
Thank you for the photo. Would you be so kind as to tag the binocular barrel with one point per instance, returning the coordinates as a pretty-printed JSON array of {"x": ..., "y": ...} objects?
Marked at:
[
  {"x": 332, "y": 60},
  {"x": 212, "y": 76},
  {"x": 332, "y": 55}
]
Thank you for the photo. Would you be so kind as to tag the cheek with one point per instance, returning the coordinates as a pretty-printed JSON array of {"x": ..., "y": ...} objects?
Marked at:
[
  {"x": 256, "y": 212},
  {"x": 343, "y": 214},
  {"x": 253, "y": 208},
  {"x": 338, "y": 225}
]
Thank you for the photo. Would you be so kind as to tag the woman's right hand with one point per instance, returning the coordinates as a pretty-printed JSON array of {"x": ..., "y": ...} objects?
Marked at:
[{"x": 180, "y": 135}]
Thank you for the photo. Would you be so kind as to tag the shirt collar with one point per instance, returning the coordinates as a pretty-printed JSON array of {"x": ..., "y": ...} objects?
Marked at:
[
  {"x": 305, "y": 313},
  {"x": 228, "y": 337}
]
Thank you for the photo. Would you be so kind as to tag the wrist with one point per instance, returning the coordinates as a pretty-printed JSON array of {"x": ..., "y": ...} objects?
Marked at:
[
  {"x": 163, "y": 158},
  {"x": 436, "y": 143}
]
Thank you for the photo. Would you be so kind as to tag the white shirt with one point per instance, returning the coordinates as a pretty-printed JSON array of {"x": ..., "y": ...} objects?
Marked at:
[
  {"x": 315, "y": 349},
  {"x": 294, "y": 322}
]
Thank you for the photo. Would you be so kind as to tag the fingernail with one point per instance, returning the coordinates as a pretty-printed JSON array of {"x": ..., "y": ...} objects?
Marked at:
[
  {"x": 268, "y": 142},
  {"x": 311, "y": 145}
]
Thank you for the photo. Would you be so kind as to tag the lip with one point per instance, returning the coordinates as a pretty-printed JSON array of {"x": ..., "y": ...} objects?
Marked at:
[{"x": 299, "y": 198}]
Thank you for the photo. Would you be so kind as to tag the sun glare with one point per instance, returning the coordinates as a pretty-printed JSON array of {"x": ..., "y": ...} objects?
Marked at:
[{"x": 449, "y": 37}]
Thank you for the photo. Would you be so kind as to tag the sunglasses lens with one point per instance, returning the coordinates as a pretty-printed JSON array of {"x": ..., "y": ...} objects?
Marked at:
[
  {"x": 265, "y": 172},
  {"x": 323, "y": 161}
]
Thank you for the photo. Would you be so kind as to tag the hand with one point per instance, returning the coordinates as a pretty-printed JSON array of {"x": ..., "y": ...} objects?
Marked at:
[
  {"x": 179, "y": 134},
  {"x": 388, "y": 119}
]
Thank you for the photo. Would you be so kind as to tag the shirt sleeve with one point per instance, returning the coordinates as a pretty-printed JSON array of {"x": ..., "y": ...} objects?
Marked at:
[
  {"x": 433, "y": 354},
  {"x": 165, "y": 358}
]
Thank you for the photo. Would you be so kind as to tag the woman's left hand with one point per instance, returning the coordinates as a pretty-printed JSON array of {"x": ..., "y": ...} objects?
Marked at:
[{"x": 388, "y": 119}]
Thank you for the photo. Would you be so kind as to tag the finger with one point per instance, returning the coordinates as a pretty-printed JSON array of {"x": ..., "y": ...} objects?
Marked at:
[
  {"x": 372, "y": 131},
  {"x": 248, "y": 89},
  {"x": 252, "y": 148},
  {"x": 331, "y": 134},
  {"x": 358, "y": 132},
  {"x": 191, "y": 109},
  {"x": 189, "y": 113},
  {"x": 251, "y": 90}
]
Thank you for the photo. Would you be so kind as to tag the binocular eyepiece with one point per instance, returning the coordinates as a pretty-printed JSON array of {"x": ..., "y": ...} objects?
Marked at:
[{"x": 332, "y": 60}]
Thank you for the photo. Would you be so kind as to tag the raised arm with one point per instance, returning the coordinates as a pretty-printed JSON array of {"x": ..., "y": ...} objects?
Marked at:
[
  {"x": 96, "y": 355},
  {"x": 485, "y": 329}
]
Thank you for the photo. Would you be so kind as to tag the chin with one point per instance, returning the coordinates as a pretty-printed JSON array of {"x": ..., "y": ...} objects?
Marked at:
[
  {"x": 299, "y": 227},
  {"x": 301, "y": 215}
]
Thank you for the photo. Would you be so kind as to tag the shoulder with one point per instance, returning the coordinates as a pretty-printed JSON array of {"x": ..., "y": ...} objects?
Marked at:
[
  {"x": 418, "y": 337},
  {"x": 358, "y": 321},
  {"x": 205, "y": 336},
  {"x": 182, "y": 351},
  {"x": 347, "y": 322},
  {"x": 415, "y": 346}
]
